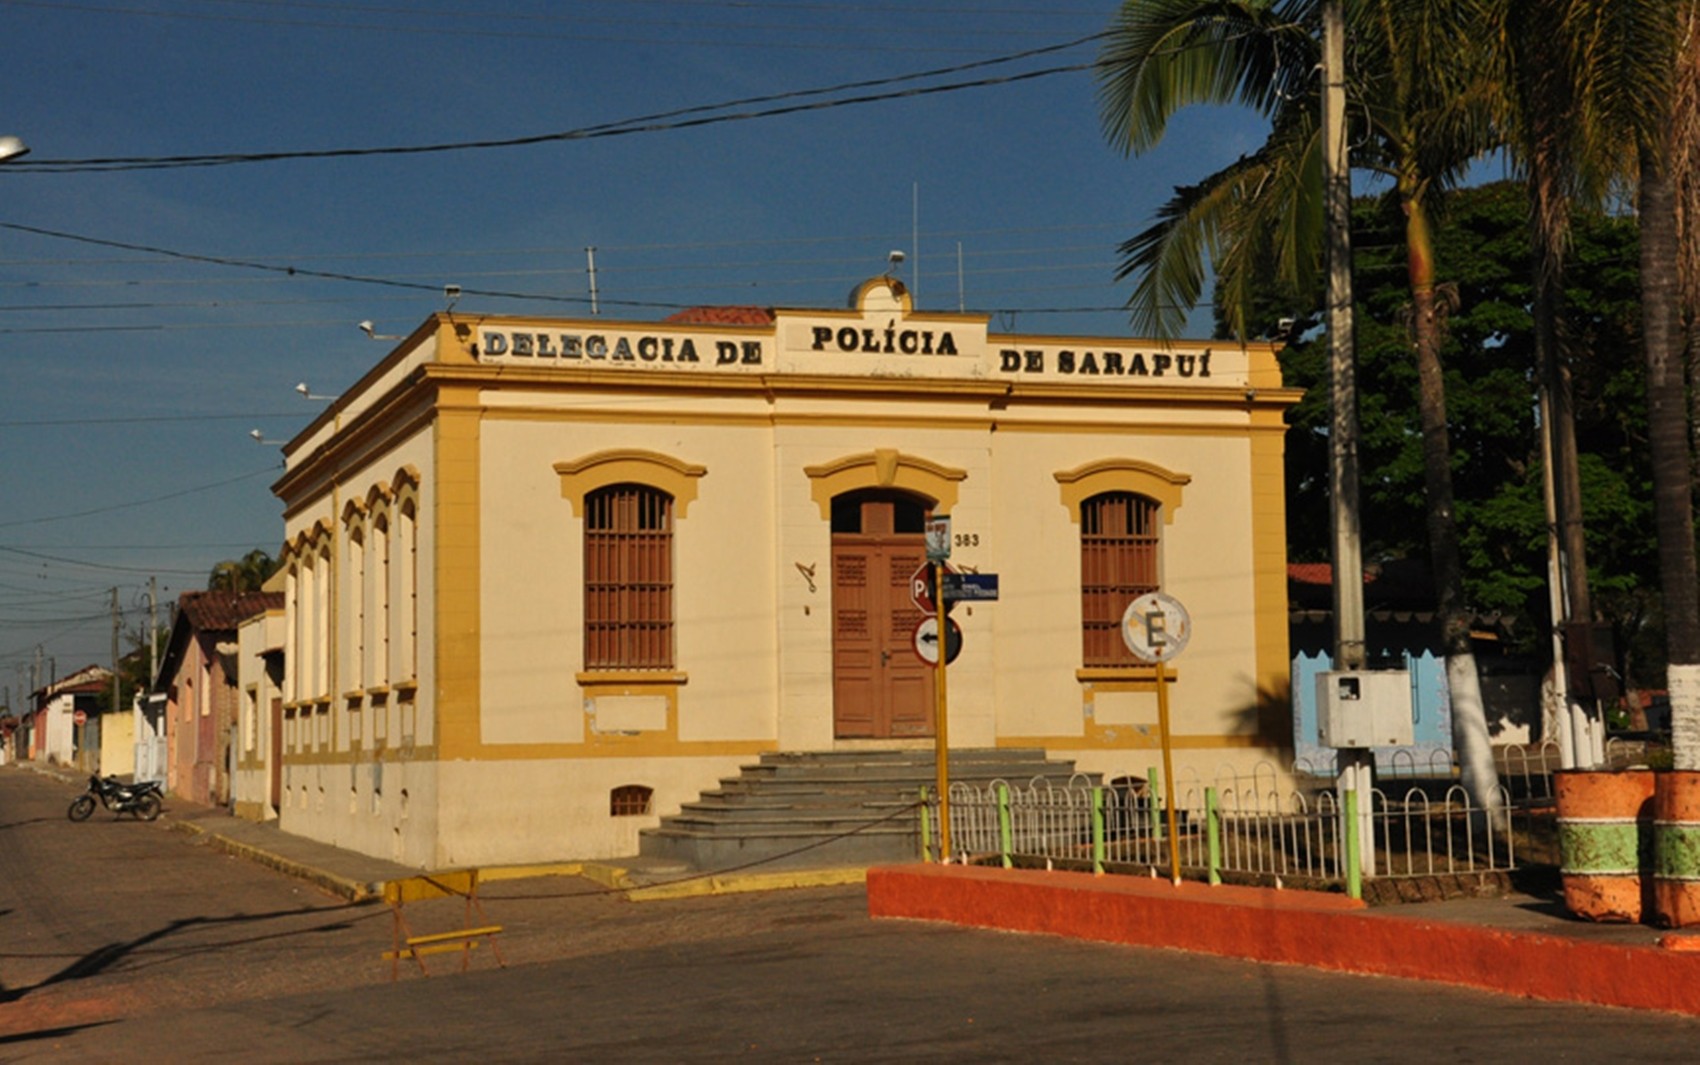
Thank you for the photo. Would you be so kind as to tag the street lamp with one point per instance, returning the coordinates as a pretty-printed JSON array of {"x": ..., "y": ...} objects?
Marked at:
[{"x": 11, "y": 148}]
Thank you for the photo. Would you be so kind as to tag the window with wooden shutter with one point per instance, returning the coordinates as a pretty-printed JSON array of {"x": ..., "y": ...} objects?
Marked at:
[
  {"x": 628, "y": 578},
  {"x": 1118, "y": 564}
]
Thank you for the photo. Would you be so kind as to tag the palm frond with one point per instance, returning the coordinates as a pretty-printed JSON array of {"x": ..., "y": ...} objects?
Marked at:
[{"x": 1164, "y": 55}]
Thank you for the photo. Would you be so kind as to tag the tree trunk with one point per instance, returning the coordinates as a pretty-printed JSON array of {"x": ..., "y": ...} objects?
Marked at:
[
  {"x": 1469, "y": 714},
  {"x": 1667, "y": 433},
  {"x": 1560, "y": 427}
]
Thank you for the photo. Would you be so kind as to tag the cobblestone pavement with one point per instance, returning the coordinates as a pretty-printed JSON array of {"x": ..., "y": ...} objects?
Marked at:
[{"x": 121, "y": 939}]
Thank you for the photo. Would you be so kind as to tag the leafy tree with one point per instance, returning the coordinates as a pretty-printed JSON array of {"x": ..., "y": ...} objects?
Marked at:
[{"x": 1483, "y": 243}]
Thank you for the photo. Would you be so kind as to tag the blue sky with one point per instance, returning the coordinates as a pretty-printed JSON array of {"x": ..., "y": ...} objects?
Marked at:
[{"x": 132, "y": 376}]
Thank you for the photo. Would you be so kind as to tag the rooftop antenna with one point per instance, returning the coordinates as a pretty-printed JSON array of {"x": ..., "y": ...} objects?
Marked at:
[
  {"x": 590, "y": 259},
  {"x": 915, "y": 245},
  {"x": 961, "y": 298}
]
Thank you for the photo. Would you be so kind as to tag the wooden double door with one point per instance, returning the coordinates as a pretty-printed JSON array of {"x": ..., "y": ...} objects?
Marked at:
[{"x": 881, "y": 689}]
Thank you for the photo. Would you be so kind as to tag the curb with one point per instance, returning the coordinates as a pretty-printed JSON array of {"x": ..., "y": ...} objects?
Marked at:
[
  {"x": 349, "y": 890},
  {"x": 1283, "y": 927},
  {"x": 735, "y": 884}
]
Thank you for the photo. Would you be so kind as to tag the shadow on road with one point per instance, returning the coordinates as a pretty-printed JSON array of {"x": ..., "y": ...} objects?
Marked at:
[
  {"x": 31, "y": 821},
  {"x": 103, "y": 958},
  {"x": 51, "y": 1033}
]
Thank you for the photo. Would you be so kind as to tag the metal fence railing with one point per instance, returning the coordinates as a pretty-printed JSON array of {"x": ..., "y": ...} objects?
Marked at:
[
  {"x": 1525, "y": 769},
  {"x": 1237, "y": 826}
]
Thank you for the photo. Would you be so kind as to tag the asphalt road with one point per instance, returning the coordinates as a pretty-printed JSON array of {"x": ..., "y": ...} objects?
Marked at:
[{"x": 123, "y": 941}]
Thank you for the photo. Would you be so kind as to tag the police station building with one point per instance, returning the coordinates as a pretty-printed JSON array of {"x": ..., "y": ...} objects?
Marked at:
[{"x": 548, "y": 579}]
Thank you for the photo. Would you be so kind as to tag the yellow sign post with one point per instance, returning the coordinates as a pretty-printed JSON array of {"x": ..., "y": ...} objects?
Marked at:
[
  {"x": 941, "y": 719},
  {"x": 1156, "y": 628}
]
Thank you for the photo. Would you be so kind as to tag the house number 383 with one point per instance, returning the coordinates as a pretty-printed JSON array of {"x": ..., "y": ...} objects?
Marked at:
[{"x": 966, "y": 540}]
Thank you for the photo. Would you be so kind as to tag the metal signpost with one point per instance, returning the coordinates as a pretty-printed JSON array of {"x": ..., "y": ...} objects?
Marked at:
[
  {"x": 937, "y": 640},
  {"x": 938, "y": 551},
  {"x": 1156, "y": 628}
]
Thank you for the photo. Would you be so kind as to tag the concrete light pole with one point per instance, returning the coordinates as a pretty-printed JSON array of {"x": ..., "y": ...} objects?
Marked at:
[{"x": 1355, "y": 764}]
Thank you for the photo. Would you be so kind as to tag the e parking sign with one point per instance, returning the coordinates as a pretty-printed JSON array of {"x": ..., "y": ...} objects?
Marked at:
[{"x": 1156, "y": 627}]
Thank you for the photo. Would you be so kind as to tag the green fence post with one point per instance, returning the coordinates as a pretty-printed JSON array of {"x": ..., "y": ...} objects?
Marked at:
[
  {"x": 1354, "y": 874},
  {"x": 1006, "y": 831},
  {"x": 1213, "y": 834},
  {"x": 927, "y": 852},
  {"x": 1098, "y": 848}
]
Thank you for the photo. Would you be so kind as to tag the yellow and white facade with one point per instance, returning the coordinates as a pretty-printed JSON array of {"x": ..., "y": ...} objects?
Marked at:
[{"x": 440, "y": 701}]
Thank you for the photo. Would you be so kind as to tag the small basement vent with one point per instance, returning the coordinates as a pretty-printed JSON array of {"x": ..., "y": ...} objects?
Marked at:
[{"x": 629, "y": 800}]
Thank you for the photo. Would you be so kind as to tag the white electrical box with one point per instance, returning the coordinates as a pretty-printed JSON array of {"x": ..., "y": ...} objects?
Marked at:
[{"x": 1364, "y": 709}]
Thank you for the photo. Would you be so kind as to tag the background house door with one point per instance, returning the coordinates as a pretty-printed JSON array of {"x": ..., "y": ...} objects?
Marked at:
[
  {"x": 274, "y": 757},
  {"x": 881, "y": 690}
]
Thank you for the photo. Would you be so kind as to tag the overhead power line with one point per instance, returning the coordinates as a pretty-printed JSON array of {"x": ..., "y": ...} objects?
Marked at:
[
  {"x": 683, "y": 118},
  {"x": 142, "y": 502},
  {"x": 92, "y": 565}
]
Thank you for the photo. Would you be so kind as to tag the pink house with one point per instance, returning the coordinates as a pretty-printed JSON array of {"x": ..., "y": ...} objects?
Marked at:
[{"x": 197, "y": 674}]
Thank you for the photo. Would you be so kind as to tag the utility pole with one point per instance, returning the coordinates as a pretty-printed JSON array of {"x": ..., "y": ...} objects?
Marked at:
[
  {"x": 117, "y": 622},
  {"x": 153, "y": 629},
  {"x": 1355, "y": 764}
]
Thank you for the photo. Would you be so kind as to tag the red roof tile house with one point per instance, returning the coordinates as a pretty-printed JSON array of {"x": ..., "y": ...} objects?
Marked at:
[{"x": 197, "y": 674}]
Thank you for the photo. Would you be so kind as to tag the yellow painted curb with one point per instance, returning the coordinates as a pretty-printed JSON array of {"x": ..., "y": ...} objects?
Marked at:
[
  {"x": 738, "y": 883},
  {"x": 526, "y": 872}
]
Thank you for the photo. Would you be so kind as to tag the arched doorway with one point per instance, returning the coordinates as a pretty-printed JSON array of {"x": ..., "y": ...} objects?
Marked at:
[{"x": 880, "y": 689}]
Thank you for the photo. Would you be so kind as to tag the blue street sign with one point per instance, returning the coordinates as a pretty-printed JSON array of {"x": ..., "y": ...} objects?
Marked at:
[{"x": 970, "y": 587}]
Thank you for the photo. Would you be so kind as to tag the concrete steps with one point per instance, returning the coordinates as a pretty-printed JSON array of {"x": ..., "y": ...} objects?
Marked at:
[{"x": 812, "y": 809}]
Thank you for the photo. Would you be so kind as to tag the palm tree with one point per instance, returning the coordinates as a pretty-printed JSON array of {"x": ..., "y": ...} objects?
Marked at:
[
  {"x": 245, "y": 574},
  {"x": 1669, "y": 264},
  {"x": 1421, "y": 83},
  {"x": 1631, "y": 83},
  {"x": 1558, "y": 149}
]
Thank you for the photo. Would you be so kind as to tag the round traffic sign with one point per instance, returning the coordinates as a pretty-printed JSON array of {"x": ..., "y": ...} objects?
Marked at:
[
  {"x": 1156, "y": 627},
  {"x": 79, "y": 717},
  {"x": 926, "y": 641}
]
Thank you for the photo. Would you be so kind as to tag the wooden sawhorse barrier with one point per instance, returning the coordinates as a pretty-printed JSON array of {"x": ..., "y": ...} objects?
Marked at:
[{"x": 464, "y": 883}]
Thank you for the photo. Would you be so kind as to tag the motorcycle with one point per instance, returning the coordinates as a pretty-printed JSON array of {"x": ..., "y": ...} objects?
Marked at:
[{"x": 139, "y": 800}]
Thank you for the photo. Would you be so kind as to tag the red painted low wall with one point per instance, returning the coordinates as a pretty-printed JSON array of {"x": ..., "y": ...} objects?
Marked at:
[{"x": 1291, "y": 927}]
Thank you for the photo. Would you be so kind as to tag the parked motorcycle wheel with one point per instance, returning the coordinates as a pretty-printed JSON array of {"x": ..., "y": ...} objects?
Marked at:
[
  {"x": 81, "y": 807},
  {"x": 147, "y": 807}
]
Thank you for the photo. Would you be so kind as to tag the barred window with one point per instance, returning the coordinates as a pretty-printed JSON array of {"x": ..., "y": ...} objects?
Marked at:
[
  {"x": 628, "y": 578},
  {"x": 629, "y": 800},
  {"x": 1118, "y": 564}
]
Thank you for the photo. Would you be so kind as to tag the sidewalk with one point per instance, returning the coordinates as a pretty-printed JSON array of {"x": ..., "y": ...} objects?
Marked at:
[{"x": 361, "y": 878}]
